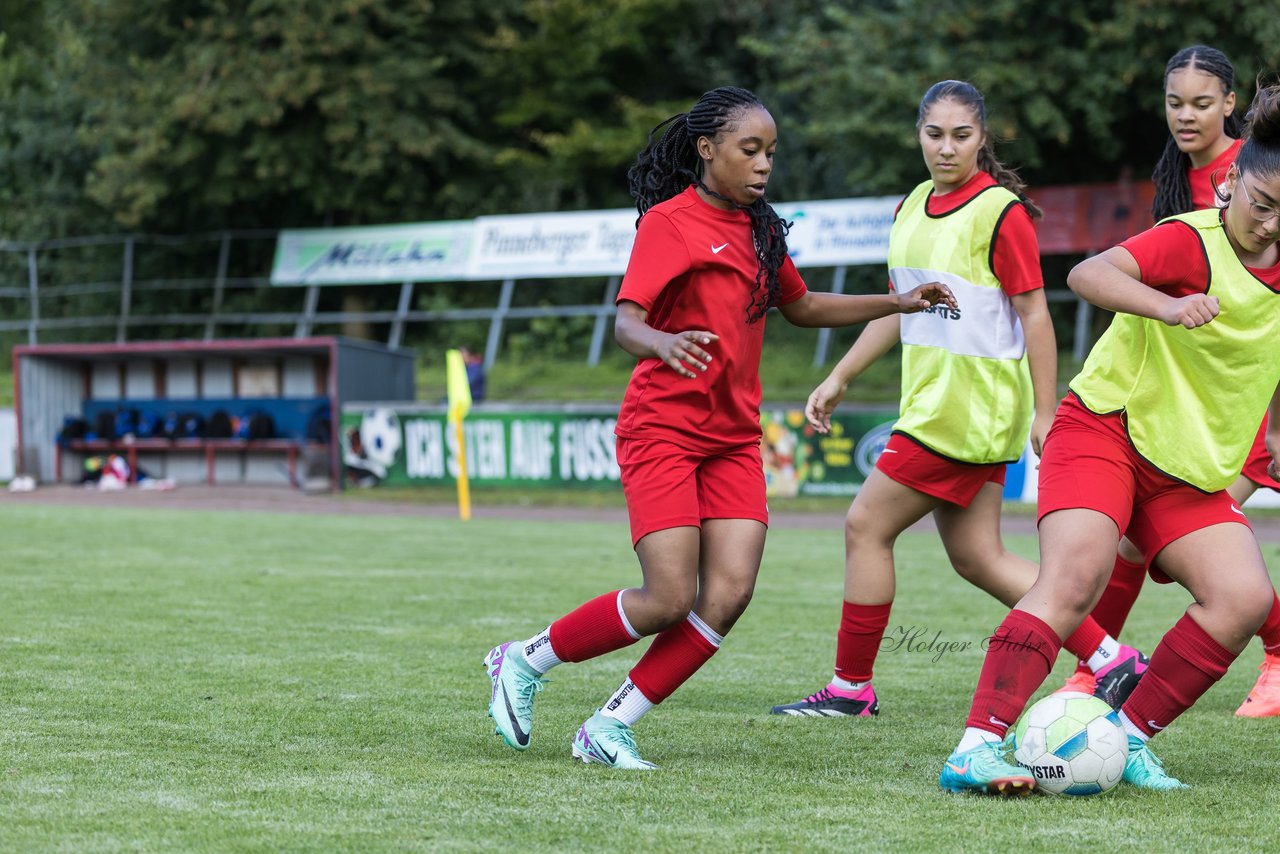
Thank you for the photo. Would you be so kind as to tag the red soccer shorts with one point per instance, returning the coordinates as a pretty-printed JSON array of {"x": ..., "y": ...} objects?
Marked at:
[
  {"x": 1088, "y": 462},
  {"x": 911, "y": 464},
  {"x": 1255, "y": 466},
  {"x": 668, "y": 486}
]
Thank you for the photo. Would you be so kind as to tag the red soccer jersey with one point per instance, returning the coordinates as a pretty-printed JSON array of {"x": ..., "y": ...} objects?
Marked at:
[
  {"x": 1171, "y": 259},
  {"x": 693, "y": 266},
  {"x": 1015, "y": 255},
  {"x": 1207, "y": 180}
]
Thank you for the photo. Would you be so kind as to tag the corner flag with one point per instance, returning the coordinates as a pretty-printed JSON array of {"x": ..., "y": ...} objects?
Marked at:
[{"x": 459, "y": 391}]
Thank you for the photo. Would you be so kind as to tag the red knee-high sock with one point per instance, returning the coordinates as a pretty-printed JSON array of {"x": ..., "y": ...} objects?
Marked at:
[
  {"x": 1270, "y": 631},
  {"x": 1117, "y": 600},
  {"x": 592, "y": 629},
  {"x": 1084, "y": 641},
  {"x": 674, "y": 656},
  {"x": 1020, "y": 655},
  {"x": 861, "y": 629},
  {"x": 1185, "y": 665}
]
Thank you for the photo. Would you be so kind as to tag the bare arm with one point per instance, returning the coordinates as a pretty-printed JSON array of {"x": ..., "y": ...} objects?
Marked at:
[
  {"x": 876, "y": 340},
  {"x": 1112, "y": 281},
  {"x": 681, "y": 351},
  {"x": 1042, "y": 357},
  {"x": 823, "y": 309}
]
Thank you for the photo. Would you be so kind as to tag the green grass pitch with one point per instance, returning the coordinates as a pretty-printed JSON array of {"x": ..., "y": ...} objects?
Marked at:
[{"x": 196, "y": 681}]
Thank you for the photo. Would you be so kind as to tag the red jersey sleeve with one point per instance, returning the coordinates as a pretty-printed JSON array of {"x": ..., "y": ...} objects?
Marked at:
[
  {"x": 658, "y": 256},
  {"x": 790, "y": 285},
  {"x": 1015, "y": 252},
  {"x": 1170, "y": 258}
]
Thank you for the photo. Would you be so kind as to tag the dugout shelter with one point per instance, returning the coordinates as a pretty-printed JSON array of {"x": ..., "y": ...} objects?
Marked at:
[{"x": 299, "y": 384}]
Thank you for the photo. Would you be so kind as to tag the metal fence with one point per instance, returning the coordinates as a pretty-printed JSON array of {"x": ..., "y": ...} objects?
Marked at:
[{"x": 185, "y": 286}]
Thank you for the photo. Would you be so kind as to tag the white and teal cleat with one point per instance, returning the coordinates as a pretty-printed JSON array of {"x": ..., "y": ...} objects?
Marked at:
[
  {"x": 608, "y": 741},
  {"x": 1144, "y": 770},
  {"x": 511, "y": 703}
]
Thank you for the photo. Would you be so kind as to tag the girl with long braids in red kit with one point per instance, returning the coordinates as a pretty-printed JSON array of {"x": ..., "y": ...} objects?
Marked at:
[{"x": 709, "y": 261}]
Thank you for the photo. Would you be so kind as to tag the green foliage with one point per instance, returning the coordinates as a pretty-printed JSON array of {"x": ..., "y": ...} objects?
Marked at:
[{"x": 1075, "y": 88}]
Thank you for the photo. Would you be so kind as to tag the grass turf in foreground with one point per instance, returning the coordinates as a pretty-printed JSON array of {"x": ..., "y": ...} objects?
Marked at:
[{"x": 195, "y": 681}]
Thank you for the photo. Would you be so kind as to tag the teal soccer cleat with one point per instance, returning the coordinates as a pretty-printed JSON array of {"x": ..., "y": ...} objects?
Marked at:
[
  {"x": 1144, "y": 770},
  {"x": 608, "y": 741},
  {"x": 984, "y": 769},
  {"x": 511, "y": 703}
]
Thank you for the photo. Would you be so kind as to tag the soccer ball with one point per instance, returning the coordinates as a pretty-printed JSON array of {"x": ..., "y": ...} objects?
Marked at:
[{"x": 1072, "y": 743}]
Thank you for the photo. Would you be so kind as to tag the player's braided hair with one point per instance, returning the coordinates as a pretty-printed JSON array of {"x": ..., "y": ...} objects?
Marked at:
[
  {"x": 670, "y": 162},
  {"x": 968, "y": 95},
  {"x": 1173, "y": 191},
  {"x": 1260, "y": 154}
]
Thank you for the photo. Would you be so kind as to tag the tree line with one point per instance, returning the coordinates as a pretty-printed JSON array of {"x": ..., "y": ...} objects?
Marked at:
[
  {"x": 178, "y": 115},
  {"x": 172, "y": 116}
]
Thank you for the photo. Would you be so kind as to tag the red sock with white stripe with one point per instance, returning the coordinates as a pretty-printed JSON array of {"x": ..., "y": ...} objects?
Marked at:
[
  {"x": 592, "y": 629},
  {"x": 1187, "y": 663},
  {"x": 674, "y": 656}
]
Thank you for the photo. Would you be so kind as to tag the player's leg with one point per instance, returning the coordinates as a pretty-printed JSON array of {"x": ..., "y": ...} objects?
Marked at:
[
  {"x": 1076, "y": 547},
  {"x": 1222, "y": 567},
  {"x": 971, "y": 536},
  {"x": 734, "y": 513},
  {"x": 1127, "y": 577},
  {"x": 882, "y": 510},
  {"x": 1263, "y": 700},
  {"x": 660, "y": 484},
  {"x": 663, "y": 606}
]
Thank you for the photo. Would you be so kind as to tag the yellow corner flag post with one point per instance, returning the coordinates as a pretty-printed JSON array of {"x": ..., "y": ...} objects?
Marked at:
[{"x": 459, "y": 390}]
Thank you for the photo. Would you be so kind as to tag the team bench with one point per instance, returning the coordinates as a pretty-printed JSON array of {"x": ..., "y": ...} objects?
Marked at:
[
  {"x": 296, "y": 432},
  {"x": 292, "y": 448}
]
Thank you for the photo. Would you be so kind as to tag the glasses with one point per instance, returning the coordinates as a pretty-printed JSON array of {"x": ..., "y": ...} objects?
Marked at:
[{"x": 1262, "y": 213}]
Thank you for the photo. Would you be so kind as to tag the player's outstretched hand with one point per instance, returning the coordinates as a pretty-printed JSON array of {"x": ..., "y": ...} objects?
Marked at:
[
  {"x": 681, "y": 351},
  {"x": 923, "y": 296},
  {"x": 822, "y": 402},
  {"x": 1191, "y": 311}
]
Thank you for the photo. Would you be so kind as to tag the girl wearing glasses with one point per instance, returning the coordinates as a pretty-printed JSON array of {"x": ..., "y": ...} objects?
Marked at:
[
  {"x": 1204, "y": 140},
  {"x": 1197, "y": 303}
]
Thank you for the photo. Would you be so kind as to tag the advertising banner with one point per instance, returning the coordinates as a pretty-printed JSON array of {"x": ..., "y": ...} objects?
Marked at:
[
  {"x": 835, "y": 233},
  {"x": 531, "y": 246},
  {"x": 407, "y": 446},
  {"x": 413, "y": 252}
]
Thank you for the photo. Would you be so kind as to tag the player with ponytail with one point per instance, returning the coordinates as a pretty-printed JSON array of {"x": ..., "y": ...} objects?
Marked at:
[
  {"x": 1204, "y": 140},
  {"x": 1197, "y": 315},
  {"x": 975, "y": 383},
  {"x": 709, "y": 261}
]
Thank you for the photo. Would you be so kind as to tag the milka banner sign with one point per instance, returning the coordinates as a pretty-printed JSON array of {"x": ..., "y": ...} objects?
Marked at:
[
  {"x": 414, "y": 252},
  {"x": 531, "y": 246}
]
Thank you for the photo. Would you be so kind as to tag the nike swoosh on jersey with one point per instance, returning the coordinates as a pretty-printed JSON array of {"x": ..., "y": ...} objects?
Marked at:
[
  {"x": 1235, "y": 509},
  {"x": 715, "y": 250}
]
